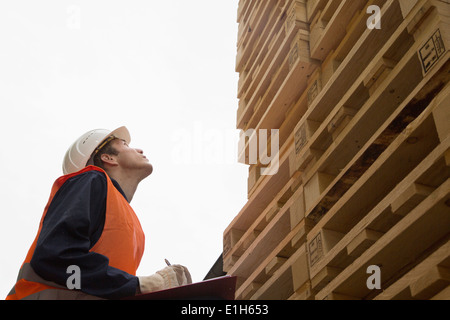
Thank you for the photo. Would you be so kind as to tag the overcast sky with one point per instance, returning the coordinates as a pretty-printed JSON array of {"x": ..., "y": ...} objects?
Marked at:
[{"x": 164, "y": 69}]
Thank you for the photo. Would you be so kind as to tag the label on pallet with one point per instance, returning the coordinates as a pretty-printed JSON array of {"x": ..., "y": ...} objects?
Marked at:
[{"x": 432, "y": 51}]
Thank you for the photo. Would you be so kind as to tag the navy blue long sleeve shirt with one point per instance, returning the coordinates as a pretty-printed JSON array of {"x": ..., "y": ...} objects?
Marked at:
[{"x": 73, "y": 224}]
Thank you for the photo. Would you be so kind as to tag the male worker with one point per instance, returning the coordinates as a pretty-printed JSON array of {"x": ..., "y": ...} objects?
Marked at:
[{"x": 89, "y": 227}]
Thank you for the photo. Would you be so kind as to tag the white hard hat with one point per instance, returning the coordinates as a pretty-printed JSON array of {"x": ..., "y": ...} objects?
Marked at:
[{"x": 80, "y": 151}]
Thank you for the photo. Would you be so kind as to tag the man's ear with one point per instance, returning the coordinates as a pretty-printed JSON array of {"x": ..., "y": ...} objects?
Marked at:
[{"x": 108, "y": 159}]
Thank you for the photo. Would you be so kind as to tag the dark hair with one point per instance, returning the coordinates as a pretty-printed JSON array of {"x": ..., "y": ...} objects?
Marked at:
[{"x": 106, "y": 149}]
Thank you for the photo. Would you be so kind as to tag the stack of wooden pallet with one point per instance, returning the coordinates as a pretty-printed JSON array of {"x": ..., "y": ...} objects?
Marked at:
[{"x": 364, "y": 150}]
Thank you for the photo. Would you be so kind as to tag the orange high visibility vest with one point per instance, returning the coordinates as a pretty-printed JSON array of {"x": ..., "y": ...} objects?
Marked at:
[{"x": 122, "y": 241}]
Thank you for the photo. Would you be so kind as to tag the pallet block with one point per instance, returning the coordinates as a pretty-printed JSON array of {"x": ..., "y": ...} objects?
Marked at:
[
  {"x": 305, "y": 292},
  {"x": 274, "y": 265},
  {"x": 379, "y": 73},
  {"x": 296, "y": 15},
  {"x": 303, "y": 132},
  {"x": 297, "y": 210},
  {"x": 314, "y": 86},
  {"x": 362, "y": 242},
  {"x": 250, "y": 291},
  {"x": 340, "y": 121},
  {"x": 329, "y": 66},
  {"x": 435, "y": 280},
  {"x": 230, "y": 239},
  {"x": 432, "y": 23},
  {"x": 273, "y": 212},
  {"x": 320, "y": 244},
  {"x": 317, "y": 28},
  {"x": 410, "y": 198},
  {"x": 253, "y": 176},
  {"x": 299, "y": 49},
  {"x": 300, "y": 272},
  {"x": 323, "y": 277},
  {"x": 314, "y": 188},
  {"x": 313, "y": 6},
  {"x": 300, "y": 237},
  {"x": 247, "y": 242}
]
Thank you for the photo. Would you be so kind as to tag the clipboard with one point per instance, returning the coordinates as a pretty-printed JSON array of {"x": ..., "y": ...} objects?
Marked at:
[{"x": 222, "y": 288}]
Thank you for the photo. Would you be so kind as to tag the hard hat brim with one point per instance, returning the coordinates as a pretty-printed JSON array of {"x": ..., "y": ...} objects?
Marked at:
[{"x": 122, "y": 133}]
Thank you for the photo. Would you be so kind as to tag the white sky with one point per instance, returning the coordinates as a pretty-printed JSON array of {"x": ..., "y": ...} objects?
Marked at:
[{"x": 165, "y": 69}]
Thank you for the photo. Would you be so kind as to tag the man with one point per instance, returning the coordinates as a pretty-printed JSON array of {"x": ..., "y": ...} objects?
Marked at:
[{"x": 89, "y": 227}]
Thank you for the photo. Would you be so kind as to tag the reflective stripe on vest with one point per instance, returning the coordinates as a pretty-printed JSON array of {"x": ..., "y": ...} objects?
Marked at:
[{"x": 122, "y": 241}]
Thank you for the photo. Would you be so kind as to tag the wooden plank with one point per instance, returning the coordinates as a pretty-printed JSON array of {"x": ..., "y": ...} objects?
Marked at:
[
  {"x": 296, "y": 15},
  {"x": 262, "y": 51},
  {"x": 431, "y": 283},
  {"x": 269, "y": 66},
  {"x": 362, "y": 53},
  {"x": 407, "y": 6},
  {"x": 348, "y": 205},
  {"x": 400, "y": 289},
  {"x": 280, "y": 285},
  {"x": 313, "y": 6},
  {"x": 251, "y": 269},
  {"x": 443, "y": 295},
  {"x": 380, "y": 218},
  {"x": 441, "y": 117},
  {"x": 264, "y": 219},
  {"x": 411, "y": 236},
  {"x": 335, "y": 154},
  {"x": 254, "y": 27},
  {"x": 341, "y": 13},
  {"x": 305, "y": 292}
]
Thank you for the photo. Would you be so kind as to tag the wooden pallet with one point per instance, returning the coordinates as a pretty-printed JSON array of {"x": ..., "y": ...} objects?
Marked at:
[{"x": 364, "y": 157}]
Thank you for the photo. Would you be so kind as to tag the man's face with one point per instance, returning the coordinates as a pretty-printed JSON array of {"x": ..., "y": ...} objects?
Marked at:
[{"x": 131, "y": 158}]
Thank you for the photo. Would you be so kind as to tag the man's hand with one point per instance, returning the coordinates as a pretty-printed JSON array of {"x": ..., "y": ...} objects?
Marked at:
[{"x": 169, "y": 277}]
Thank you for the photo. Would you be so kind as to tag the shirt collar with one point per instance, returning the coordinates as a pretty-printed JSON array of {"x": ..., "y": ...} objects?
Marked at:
[{"x": 117, "y": 185}]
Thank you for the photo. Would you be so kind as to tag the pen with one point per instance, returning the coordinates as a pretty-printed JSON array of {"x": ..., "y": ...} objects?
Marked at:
[{"x": 167, "y": 262}]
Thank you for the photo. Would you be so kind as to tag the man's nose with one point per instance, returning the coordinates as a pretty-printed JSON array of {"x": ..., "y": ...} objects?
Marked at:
[{"x": 140, "y": 151}]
